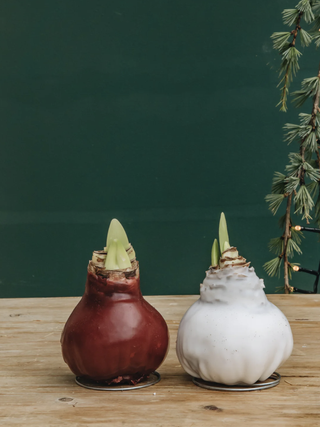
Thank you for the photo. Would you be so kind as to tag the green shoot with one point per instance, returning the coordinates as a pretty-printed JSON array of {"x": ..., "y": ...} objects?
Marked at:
[
  {"x": 122, "y": 256},
  {"x": 117, "y": 257},
  {"x": 215, "y": 253},
  {"x": 223, "y": 233},
  {"x": 226, "y": 246},
  {"x": 111, "y": 258},
  {"x": 116, "y": 231}
]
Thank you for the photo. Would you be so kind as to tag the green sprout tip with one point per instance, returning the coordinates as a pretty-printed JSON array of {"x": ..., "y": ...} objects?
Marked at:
[
  {"x": 117, "y": 232},
  {"x": 215, "y": 253},
  {"x": 223, "y": 233}
]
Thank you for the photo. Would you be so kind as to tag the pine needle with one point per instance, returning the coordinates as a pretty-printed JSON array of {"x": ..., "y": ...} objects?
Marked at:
[
  {"x": 303, "y": 203},
  {"x": 305, "y": 7},
  {"x": 305, "y": 131},
  {"x": 313, "y": 174},
  {"x": 316, "y": 7},
  {"x": 309, "y": 88},
  {"x": 304, "y": 118},
  {"x": 296, "y": 236},
  {"x": 316, "y": 39},
  {"x": 272, "y": 267},
  {"x": 290, "y": 16},
  {"x": 280, "y": 39},
  {"x": 278, "y": 183},
  {"x": 293, "y": 132},
  {"x": 289, "y": 67},
  {"x": 305, "y": 38},
  {"x": 296, "y": 163},
  {"x": 291, "y": 247},
  {"x": 313, "y": 188},
  {"x": 276, "y": 245},
  {"x": 274, "y": 201},
  {"x": 310, "y": 142},
  {"x": 292, "y": 184}
]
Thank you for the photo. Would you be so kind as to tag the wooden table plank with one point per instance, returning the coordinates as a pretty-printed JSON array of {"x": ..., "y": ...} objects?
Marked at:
[{"x": 37, "y": 388}]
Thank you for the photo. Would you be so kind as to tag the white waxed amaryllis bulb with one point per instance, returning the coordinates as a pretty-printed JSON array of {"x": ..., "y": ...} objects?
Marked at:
[{"x": 233, "y": 334}]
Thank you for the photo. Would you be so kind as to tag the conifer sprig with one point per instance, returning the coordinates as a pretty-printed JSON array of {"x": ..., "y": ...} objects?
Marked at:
[
  {"x": 285, "y": 42},
  {"x": 289, "y": 53},
  {"x": 299, "y": 185}
]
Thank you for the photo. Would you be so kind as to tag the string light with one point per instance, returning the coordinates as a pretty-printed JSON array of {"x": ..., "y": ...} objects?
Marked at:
[{"x": 306, "y": 270}]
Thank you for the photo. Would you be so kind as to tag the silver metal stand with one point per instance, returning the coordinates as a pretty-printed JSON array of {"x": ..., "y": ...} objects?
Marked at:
[
  {"x": 272, "y": 381},
  {"x": 153, "y": 378}
]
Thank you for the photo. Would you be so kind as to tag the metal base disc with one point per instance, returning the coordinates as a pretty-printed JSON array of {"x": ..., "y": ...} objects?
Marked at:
[
  {"x": 272, "y": 381},
  {"x": 153, "y": 378}
]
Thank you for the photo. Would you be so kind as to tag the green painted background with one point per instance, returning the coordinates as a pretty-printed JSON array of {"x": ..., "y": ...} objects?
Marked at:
[{"x": 160, "y": 113}]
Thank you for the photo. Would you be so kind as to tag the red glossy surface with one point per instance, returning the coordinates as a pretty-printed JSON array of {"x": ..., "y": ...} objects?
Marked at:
[{"x": 114, "y": 334}]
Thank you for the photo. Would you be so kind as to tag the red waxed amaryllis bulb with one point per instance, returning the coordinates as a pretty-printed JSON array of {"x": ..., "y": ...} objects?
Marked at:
[{"x": 114, "y": 335}]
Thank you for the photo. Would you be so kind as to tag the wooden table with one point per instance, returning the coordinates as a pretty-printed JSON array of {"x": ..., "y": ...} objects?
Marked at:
[{"x": 37, "y": 388}]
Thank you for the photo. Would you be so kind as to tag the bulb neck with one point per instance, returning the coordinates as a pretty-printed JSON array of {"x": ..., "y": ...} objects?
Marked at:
[
  {"x": 115, "y": 286},
  {"x": 233, "y": 285}
]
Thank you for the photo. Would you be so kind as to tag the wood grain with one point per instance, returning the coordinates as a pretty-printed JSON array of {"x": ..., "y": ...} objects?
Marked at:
[{"x": 37, "y": 388}]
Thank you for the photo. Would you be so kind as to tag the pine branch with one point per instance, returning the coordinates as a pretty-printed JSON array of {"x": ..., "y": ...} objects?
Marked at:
[
  {"x": 317, "y": 210},
  {"x": 290, "y": 56},
  {"x": 286, "y": 237},
  {"x": 290, "y": 16},
  {"x": 315, "y": 107},
  {"x": 313, "y": 124},
  {"x": 301, "y": 183},
  {"x": 303, "y": 203},
  {"x": 305, "y": 7}
]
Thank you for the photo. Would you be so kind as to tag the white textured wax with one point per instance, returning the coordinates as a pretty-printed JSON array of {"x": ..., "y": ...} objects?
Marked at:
[{"x": 233, "y": 334}]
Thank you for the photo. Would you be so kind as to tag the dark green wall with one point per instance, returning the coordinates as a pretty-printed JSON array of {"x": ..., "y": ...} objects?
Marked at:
[{"x": 160, "y": 113}]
